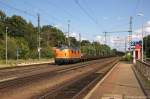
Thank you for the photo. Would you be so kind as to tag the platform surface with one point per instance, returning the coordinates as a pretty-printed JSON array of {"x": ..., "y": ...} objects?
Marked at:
[{"x": 121, "y": 83}]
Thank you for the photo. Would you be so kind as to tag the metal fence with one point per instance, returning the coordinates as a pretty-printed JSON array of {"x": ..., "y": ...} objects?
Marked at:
[{"x": 143, "y": 68}]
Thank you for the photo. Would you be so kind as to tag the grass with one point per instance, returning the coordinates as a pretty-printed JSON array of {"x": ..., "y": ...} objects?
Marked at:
[
  {"x": 148, "y": 82},
  {"x": 13, "y": 63}
]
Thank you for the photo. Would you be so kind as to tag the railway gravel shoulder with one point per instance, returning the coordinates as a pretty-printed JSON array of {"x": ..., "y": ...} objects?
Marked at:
[
  {"x": 78, "y": 88},
  {"x": 29, "y": 81}
]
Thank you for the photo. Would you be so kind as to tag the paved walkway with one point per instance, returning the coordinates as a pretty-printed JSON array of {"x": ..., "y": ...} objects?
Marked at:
[{"x": 121, "y": 83}]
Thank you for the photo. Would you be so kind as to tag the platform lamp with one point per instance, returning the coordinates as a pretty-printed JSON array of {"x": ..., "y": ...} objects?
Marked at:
[{"x": 141, "y": 15}]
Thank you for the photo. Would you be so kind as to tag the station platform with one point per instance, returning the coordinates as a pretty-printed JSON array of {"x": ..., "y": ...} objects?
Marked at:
[{"x": 119, "y": 83}]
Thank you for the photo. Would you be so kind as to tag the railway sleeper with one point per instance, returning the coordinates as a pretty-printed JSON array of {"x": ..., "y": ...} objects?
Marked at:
[{"x": 79, "y": 88}]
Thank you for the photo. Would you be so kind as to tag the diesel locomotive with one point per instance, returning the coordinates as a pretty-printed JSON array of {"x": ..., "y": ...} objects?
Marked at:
[{"x": 66, "y": 55}]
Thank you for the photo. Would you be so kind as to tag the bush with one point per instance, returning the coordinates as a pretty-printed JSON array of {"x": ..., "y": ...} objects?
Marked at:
[
  {"x": 127, "y": 57},
  {"x": 23, "y": 48},
  {"x": 2, "y": 50},
  {"x": 47, "y": 52}
]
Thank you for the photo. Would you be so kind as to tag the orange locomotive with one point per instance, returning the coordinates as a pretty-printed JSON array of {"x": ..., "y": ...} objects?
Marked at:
[{"x": 67, "y": 55}]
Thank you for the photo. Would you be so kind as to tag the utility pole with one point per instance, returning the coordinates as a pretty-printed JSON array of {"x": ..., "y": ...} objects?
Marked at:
[
  {"x": 68, "y": 33},
  {"x": 79, "y": 40},
  {"x": 125, "y": 46},
  {"x": 130, "y": 33},
  {"x": 105, "y": 38},
  {"x": 39, "y": 38},
  {"x": 6, "y": 55}
]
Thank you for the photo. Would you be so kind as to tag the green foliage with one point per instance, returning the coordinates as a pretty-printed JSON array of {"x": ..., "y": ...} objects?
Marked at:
[
  {"x": 2, "y": 25},
  {"x": 23, "y": 39},
  {"x": 73, "y": 42},
  {"x": 147, "y": 46},
  {"x": 12, "y": 48},
  {"x": 47, "y": 52},
  {"x": 96, "y": 48},
  {"x": 33, "y": 54},
  {"x": 127, "y": 57},
  {"x": 85, "y": 43},
  {"x": 31, "y": 35},
  {"x": 52, "y": 36},
  {"x": 2, "y": 49},
  {"x": 22, "y": 47},
  {"x": 16, "y": 26}
]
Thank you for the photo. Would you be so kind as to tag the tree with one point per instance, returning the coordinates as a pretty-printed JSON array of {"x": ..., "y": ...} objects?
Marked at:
[
  {"x": 22, "y": 48},
  {"x": 23, "y": 38},
  {"x": 16, "y": 26},
  {"x": 146, "y": 45},
  {"x": 2, "y": 23},
  {"x": 47, "y": 52},
  {"x": 12, "y": 48},
  {"x": 52, "y": 36},
  {"x": 31, "y": 36},
  {"x": 2, "y": 49},
  {"x": 85, "y": 43},
  {"x": 73, "y": 42}
]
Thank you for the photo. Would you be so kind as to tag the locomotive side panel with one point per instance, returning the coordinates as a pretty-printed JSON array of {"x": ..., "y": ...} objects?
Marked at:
[{"x": 67, "y": 56}]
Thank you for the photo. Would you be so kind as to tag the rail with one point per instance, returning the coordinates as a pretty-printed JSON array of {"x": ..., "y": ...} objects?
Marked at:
[
  {"x": 143, "y": 68},
  {"x": 79, "y": 87}
]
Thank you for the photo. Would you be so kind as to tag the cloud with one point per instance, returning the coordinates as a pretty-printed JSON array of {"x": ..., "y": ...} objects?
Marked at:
[
  {"x": 113, "y": 41},
  {"x": 100, "y": 39},
  {"x": 57, "y": 25},
  {"x": 60, "y": 26},
  {"x": 120, "y": 18},
  {"x": 76, "y": 35},
  {"x": 83, "y": 38},
  {"x": 148, "y": 23},
  {"x": 137, "y": 34},
  {"x": 105, "y": 18},
  {"x": 147, "y": 29}
]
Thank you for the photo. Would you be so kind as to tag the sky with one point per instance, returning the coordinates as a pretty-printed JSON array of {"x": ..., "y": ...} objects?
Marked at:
[{"x": 90, "y": 18}]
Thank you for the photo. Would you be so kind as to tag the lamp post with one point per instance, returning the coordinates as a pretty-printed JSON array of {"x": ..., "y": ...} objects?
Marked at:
[
  {"x": 141, "y": 15},
  {"x": 142, "y": 44}
]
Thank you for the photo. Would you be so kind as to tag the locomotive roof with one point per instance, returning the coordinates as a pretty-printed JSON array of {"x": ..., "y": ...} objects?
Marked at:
[{"x": 66, "y": 47}]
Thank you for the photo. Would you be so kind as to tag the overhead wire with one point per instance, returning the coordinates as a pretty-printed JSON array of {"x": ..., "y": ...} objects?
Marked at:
[
  {"x": 19, "y": 10},
  {"x": 134, "y": 14},
  {"x": 87, "y": 13},
  {"x": 87, "y": 7},
  {"x": 65, "y": 11},
  {"x": 43, "y": 11},
  {"x": 55, "y": 6},
  {"x": 135, "y": 11},
  {"x": 23, "y": 11}
]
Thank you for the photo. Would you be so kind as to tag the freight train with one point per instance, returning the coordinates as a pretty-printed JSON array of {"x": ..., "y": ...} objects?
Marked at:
[{"x": 66, "y": 55}]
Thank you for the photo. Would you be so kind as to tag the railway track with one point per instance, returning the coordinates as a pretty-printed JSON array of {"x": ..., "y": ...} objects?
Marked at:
[
  {"x": 13, "y": 73},
  {"x": 4, "y": 73},
  {"x": 49, "y": 74},
  {"x": 52, "y": 72},
  {"x": 78, "y": 88}
]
